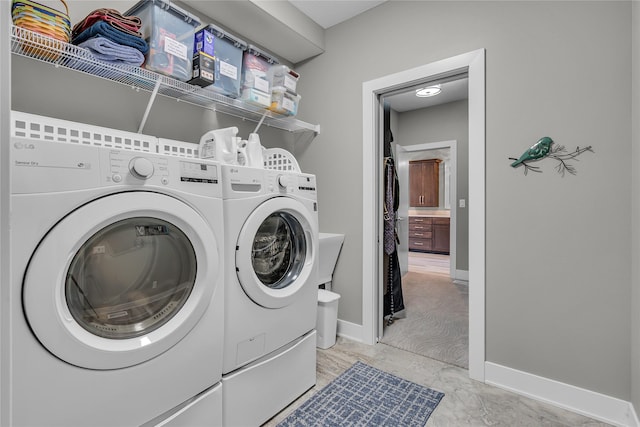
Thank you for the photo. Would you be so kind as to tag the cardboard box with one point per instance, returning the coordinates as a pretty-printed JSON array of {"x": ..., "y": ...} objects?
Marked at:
[
  {"x": 203, "y": 42},
  {"x": 203, "y": 70}
]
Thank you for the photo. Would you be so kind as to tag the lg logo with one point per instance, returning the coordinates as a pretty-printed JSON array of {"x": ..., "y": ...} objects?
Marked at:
[{"x": 21, "y": 146}]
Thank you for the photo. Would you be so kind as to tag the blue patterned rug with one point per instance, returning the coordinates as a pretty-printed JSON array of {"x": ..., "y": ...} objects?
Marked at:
[{"x": 366, "y": 396}]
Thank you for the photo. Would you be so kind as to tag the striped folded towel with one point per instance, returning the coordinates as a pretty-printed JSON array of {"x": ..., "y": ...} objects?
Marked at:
[
  {"x": 102, "y": 28},
  {"x": 112, "y": 52}
]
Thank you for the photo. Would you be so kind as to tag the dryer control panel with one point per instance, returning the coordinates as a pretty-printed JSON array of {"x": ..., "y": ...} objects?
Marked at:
[
  {"x": 196, "y": 176},
  {"x": 128, "y": 167},
  {"x": 47, "y": 166}
]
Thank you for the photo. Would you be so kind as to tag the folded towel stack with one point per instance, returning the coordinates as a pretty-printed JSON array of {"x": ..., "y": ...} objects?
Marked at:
[
  {"x": 128, "y": 24},
  {"x": 111, "y": 37}
]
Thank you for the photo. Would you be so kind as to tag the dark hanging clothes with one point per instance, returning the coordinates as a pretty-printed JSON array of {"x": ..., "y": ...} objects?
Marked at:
[{"x": 393, "y": 300}]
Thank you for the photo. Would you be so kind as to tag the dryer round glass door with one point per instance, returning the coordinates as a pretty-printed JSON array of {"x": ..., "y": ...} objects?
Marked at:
[
  {"x": 130, "y": 277},
  {"x": 275, "y": 253},
  {"x": 121, "y": 280}
]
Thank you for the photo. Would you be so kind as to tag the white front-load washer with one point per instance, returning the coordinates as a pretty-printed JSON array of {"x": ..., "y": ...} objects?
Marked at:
[
  {"x": 116, "y": 293},
  {"x": 270, "y": 291}
]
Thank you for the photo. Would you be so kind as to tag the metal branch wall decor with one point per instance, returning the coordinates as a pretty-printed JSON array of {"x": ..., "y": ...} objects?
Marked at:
[{"x": 546, "y": 148}]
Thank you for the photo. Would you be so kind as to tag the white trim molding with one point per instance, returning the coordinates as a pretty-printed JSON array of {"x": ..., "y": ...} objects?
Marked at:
[
  {"x": 575, "y": 399},
  {"x": 349, "y": 330},
  {"x": 472, "y": 63},
  {"x": 462, "y": 275}
]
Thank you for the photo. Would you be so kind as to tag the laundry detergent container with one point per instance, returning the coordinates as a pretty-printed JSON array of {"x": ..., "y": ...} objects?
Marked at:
[{"x": 326, "y": 318}]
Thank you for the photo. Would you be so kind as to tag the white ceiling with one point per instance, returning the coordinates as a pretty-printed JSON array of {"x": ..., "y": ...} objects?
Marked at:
[
  {"x": 455, "y": 90},
  {"x": 328, "y": 13}
]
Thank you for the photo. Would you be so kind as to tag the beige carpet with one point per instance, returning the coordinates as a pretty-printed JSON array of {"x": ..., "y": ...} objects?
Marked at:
[{"x": 437, "y": 319}]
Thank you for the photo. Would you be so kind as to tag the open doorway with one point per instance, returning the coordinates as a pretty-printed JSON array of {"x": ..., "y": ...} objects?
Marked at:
[
  {"x": 435, "y": 319},
  {"x": 473, "y": 64}
]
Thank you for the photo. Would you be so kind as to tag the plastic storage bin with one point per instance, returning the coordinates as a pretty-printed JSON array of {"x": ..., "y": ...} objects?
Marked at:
[
  {"x": 169, "y": 31},
  {"x": 227, "y": 50},
  {"x": 281, "y": 75},
  {"x": 284, "y": 102},
  {"x": 256, "y": 97},
  {"x": 326, "y": 318},
  {"x": 256, "y": 88}
]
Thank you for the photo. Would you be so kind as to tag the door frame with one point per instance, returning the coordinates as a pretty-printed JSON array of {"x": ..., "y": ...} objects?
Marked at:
[
  {"x": 473, "y": 63},
  {"x": 452, "y": 145}
]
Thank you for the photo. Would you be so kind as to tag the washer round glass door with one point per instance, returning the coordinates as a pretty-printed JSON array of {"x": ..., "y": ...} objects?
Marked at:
[
  {"x": 275, "y": 253},
  {"x": 118, "y": 282}
]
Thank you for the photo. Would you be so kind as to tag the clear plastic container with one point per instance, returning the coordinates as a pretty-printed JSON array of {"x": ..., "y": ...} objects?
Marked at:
[
  {"x": 283, "y": 101},
  {"x": 255, "y": 69},
  {"x": 169, "y": 31},
  {"x": 256, "y": 97},
  {"x": 281, "y": 75},
  {"x": 227, "y": 50}
]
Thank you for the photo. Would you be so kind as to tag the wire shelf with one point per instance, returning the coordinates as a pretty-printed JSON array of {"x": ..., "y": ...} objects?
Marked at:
[{"x": 36, "y": 46}]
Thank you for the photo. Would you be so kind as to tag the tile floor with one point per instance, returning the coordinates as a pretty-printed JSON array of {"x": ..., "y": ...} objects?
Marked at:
[{"x": 466, "y": 402}]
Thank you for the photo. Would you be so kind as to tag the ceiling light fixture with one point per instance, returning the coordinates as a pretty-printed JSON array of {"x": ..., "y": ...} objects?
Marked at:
[{"x": 426, "y": 92}]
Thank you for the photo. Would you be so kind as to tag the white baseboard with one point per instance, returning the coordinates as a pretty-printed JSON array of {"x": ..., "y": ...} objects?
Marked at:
[
  {"x": 462, "y": 275},
  {"x": 589, "y": 403},
  {"x": 350, "y": 330}
]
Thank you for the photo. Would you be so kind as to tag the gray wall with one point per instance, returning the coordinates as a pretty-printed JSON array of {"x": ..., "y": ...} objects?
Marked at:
[
  {"x": 444, "y": 123},
  {"x": 635, "y": 282},
  {"x": 558, "y": 265}
]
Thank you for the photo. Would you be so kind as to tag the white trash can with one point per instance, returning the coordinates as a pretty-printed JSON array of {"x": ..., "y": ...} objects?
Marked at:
[{"x": 327, "y": 318}]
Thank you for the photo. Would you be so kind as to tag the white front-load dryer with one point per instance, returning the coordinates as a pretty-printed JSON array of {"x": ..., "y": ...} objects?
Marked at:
[
  {"x": 270, "y": 291},
  {"x": 116, "y": 294}
]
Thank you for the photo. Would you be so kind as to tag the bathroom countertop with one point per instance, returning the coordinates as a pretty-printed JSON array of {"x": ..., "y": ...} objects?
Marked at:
[{"x": 435, "y": 214}]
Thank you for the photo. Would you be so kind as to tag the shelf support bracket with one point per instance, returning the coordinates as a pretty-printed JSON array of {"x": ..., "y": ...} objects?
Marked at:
[{"x": 150, "y": 103}]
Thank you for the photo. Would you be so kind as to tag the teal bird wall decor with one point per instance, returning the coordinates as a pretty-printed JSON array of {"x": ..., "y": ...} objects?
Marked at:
[
  {"x": 537, "y": 151},
  {"x": 546, "y": 148}
]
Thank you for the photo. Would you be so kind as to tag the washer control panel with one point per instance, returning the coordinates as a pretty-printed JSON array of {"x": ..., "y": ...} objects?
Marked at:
[{"x": 292, "y": 183}]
